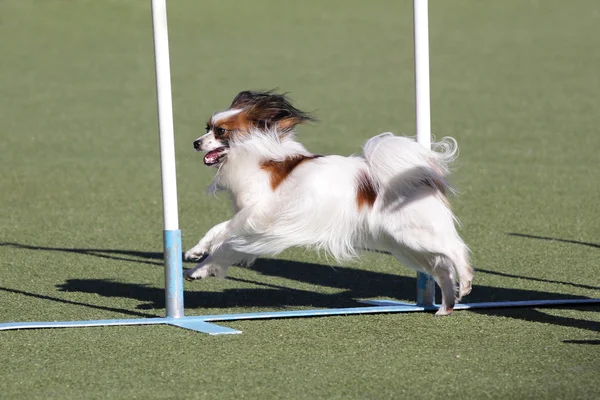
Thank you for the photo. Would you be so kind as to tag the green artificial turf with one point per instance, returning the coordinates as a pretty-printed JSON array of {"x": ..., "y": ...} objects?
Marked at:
[{"x": 516, "y": 82}]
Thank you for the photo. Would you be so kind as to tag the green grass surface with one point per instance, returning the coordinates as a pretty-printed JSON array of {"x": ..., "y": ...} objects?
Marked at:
[{"x": 517, "y": 84}]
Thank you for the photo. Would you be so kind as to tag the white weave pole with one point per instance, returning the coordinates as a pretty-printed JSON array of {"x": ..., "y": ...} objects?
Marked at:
[
  {"x": 165, "y": 114},
  {"x": 425, "y": 283},
  {"x": 172, "y": 234}
]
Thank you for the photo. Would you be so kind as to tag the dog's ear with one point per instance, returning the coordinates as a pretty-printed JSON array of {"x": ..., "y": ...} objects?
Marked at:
[
  {"x": 243, "y": 99},
  {"x": 248, "y": 98},
  {"x": 289, "y": 123},
  {"x": 275, "y": 110}
]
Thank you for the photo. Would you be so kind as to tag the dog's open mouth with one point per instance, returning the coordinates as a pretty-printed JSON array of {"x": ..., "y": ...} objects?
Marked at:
[{"x": 214, "y": 156}]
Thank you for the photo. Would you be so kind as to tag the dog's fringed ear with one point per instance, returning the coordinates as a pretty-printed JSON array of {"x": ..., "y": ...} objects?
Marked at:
[
  {"x": 275, "y": 110},
  {"x": 289, "y": 123},
  {"x": 245, "y": 98},
  {"x": 268, "y": 109}
]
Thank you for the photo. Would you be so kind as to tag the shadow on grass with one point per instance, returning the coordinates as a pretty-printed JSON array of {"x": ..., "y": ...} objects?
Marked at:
[
  {"x": 353, "y": 283},
  {"x": 75, "y": 303},
  {"x": 110, "y": 254},
  {"x": 596, "y": 342},
  {"x": 524, "y": 235}
]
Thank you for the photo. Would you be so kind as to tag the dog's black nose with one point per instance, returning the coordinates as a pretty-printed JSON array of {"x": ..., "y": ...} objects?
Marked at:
[{"x": 197, "y": 144}]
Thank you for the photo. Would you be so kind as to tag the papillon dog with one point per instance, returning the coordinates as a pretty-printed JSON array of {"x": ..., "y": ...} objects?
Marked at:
[{"x": 391, "y": 198}]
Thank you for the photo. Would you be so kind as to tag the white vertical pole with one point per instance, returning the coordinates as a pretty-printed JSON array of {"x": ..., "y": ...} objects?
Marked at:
[
  {"x": 172, "y": 234},
  {"x": 165, "y": 114},
  {"x": 425, "y": 283}
]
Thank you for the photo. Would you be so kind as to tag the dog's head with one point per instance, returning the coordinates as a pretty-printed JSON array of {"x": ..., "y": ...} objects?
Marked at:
[{"x": 250, "y": 113}]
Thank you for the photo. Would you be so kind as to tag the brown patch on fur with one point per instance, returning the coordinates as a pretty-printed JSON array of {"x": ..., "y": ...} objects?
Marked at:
[
  {"x": 366, "y": 193},
  {"x": 242, "y": 122},
  {"x": 279, "y": 170},
  {"x": 237, "y": 123}
]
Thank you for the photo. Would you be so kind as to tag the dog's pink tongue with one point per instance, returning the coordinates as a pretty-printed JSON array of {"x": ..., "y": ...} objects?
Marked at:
[{"x": 212, "y": 157}]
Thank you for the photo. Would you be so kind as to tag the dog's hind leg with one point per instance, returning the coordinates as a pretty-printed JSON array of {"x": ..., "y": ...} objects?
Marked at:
[
  {"x": 444, "y": 276},
  {"x": 438, "y": 266}
]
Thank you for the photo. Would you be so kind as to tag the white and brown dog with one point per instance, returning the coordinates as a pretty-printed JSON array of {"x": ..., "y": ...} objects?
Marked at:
[{"x": 391, "y": 198}]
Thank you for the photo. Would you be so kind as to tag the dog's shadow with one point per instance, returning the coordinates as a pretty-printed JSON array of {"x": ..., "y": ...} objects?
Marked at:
[{"x": 352, "y": 285}]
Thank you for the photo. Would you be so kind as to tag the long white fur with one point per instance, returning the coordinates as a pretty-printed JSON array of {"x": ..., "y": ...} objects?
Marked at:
[{"x": 316, "y": 207}]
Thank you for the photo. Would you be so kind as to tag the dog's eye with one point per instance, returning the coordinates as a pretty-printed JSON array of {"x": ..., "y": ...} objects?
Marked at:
[
  {"x": 220, "y": 131},
  {"x": 207, "y": 128}
]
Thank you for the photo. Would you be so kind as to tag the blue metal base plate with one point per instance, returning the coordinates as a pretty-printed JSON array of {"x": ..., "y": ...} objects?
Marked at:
[
  {"x": 203, "y": 323},
  {"x": 194, "y": 323}
]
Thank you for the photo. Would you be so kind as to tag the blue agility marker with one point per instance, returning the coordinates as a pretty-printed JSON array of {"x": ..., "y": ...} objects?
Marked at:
[{"x": 172, "y": 234}]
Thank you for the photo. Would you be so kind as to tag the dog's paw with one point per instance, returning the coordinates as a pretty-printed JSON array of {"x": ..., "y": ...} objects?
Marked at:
[
  {"x": 195, "y": 274},
  {"x": 196, "y": 253},
  {"x": 204, "y": 272},
  {"x": 443, "y": 311}
]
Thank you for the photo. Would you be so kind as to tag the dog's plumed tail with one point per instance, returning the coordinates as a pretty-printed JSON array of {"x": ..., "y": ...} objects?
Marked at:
[
  {"x": 404, "y": 171},
  {"x": 400, "y": 159}
]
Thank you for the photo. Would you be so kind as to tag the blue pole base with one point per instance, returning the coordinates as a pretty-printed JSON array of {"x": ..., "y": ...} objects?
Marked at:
[
  {"x": 425, "y": 290},
  {"x": 173, "y": 274},
  {"x": 197, "y": 324},
  {"x": 490, "y": 304},
  {"x": 204, "y": 323}
]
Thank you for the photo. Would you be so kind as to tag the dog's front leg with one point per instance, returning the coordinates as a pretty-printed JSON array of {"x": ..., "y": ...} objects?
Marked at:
[
  {"x": 216, "y": 233},
  {"x": 217, "y": 246},
  {"x": 222, "y": 256},
  {"x": 207, "y": 267}
]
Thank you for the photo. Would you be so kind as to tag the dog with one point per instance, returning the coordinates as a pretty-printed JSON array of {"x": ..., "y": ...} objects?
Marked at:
[{"x": 391, "y": 198}]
